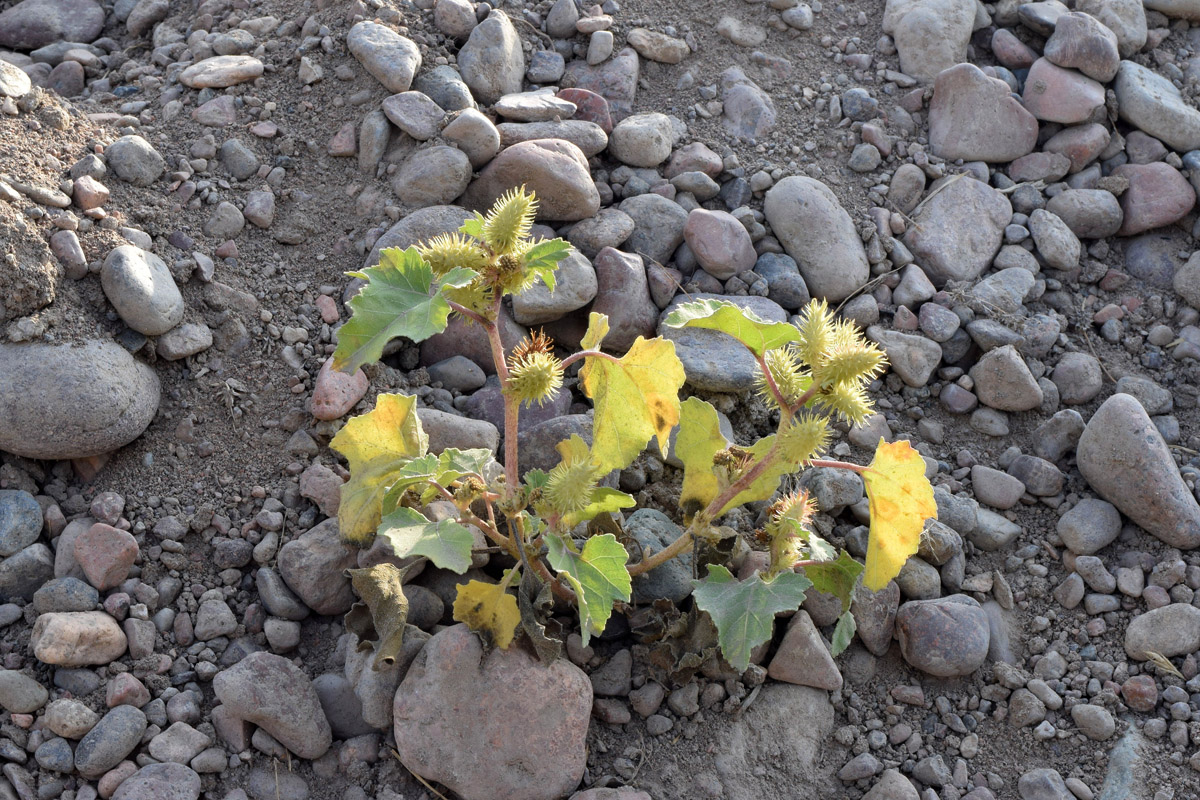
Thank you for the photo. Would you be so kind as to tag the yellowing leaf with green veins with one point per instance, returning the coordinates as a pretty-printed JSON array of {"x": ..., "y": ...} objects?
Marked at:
[
  {"x": 900, "y": 499},
  {"x": 446, "y": 543},
  {"x": 489, "y": 610},
  {"x": 377, "y": 446},
  {"x": 598, "y": 575},
  {"x": 636, "y": 399},
  {"x": 757, "y": 334},
  {"x": 416, "y": 473},
  {"x": 603, "y": 501},
  {"x": 401, "y": 298},
  {"x": 744, "y": 611},
  {"x": 698, "y": 440}
]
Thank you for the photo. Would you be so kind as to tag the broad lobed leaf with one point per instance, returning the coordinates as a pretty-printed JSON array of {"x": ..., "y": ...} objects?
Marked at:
[
  {"x": 744, "y": 611},
  {"x": 900, "y": 499},
  {"x": 377, "y": 446},
  {"x": 401, "y": 298},
  {"x": 758, "y": 335},
  {"x": 836, "y": 577},
  {"x": 636, "y": 398},
  {"x": 843, "y": 633},
  {"x": 446, "y": 543},
  {"x": 598, "y": 575},
  {"x": 603, "y": 501}
]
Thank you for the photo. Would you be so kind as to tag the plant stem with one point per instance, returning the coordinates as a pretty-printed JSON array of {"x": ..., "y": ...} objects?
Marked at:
[
  {"x": 582, "y": 354},
  {"x": 820, "y": 462},
  {"x": 512, "y": 405},
  {"x": 802, "y": 401},
  {"x": 714, "y": 508},
  {"x": 518, "y": 523},
  {"x": 769, "y": 379},
  {"x": 466, "y": 312}
]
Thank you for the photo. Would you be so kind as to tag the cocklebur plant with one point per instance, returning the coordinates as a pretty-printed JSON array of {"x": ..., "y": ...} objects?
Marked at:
[{"x": 810, "y": 373}]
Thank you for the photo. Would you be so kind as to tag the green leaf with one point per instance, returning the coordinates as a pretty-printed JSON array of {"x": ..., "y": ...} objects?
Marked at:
[
  {"x": 473, "y": 226},
  {"x": 597, "y": 574},
  {"x": 377, "y": 445},
  {"x": 744, "y": 612},
  {"x": 604, "y": 501},
  {"x": 836, "y": 577},
  {"x": 537, "y": 479},
  {"x": 401, "y": 298},
  {"x": 843, "y": 633},
  {"x": 542, "y": 259},
  {"x": 636, "y": 398},
  {"x": 415, "y": 472},
  {"x": 698, "y": 440},
  {"x": 446, "y": 543},
  {"x": 454, "y": 463},
  {"x": 757, "y": 334}
]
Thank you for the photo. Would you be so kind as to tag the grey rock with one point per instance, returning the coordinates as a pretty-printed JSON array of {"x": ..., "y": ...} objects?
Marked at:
[
  {"x": 238, "y": 159},
  {"x": 141, "y": 289},
  {"x": 1171, "y": 630},
  {"x": 392, "y": 59},
  {"x": 21, "y": 694},
  {"x": 24, "y": 572},
  {"x": 1003, "y": 381},
  {"x": 1090, "y": 526},
  {"x": 911, "y": 356},
  {"x": 225, "y": 222},
  {"x": 31, "y": 24},
  {"x": 930, "y": 36},
  {"x": 992, "y": 531},
  {"x": 455, "y": 700},
  {"x": 20, "y": 521},
  {"x": 275, "y": 694},
  {"x": 133, "y": 159},
  {"x": 944, "y": 637},
  {"x": 450, "y": 430},
  {"x": 1043, "y": 784},
  {"x": 113, "y": 738},
  {"x": 958, "y": 230},
  {"x": 713, "y": 361},
  {"x": 1150, "y": 102},
  {"x": 160, "y": 782},
  {"x": 642, "y": 140},
  {"x": 658, "y": 225},
  {"x": 976, "y": 118},
  {"x": 1089, "y": 213},
  {"x": 313, "y": 566},
  {"x": 785, "y": 285},
  {"x": 1058, "y": 246},
  {"x": 1125, "y": 18},
  {"x": 342, "y": 707},
  {"x": 653, "y": 531},
  {"x": 435, "y": 176},
  {"x": 65, "y": 594},
  {"x": 491, "y": 62},
  {"x": 624, "y": 295},
  {"x": 575, "y": 285},
  {"x": 556, "y": 170},
  {"x": 817, "y": 232},
  {"x": 445, "y": 87},
  {"x": 1125, "y": 460}
]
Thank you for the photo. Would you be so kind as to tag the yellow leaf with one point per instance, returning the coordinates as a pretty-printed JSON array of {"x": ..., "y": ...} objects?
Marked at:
[
  {"x": 636, "y": 398},
  {"x": 488, "y": 610},
  {"x": 698, "y": 440},
  {"x": 597, "y": 329},
  {"x": 376, "y": 445},
  {"x": 901, "y": 499}
]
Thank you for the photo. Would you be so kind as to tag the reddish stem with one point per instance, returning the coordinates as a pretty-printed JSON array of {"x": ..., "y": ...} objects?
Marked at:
[
  {"x": 820, "y": 462},
  {"x": 571, "y": 359}
]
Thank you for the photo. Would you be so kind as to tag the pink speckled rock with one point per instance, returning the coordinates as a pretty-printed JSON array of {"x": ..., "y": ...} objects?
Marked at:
[
  {"x": 1157, "y": 195},
  {"x": 531, "y": 718},
  {"x": 335, "y": 393},
  {"x": 106, "y": 554}
]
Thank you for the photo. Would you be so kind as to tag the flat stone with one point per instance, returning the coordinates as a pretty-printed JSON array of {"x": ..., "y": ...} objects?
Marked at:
[
  {"x": 1060, "y": 95},
  {"x": 575, "y": 285},
  {"x": 658, "y": 226},
  {"x": 415, "y": 114},
  {"x": 1003, "y": 381},
  {"x": 976, "y": 118},
  {"x": 20, "y": 521},
  {"x": 491, "y": 62},
  {"x": 113, "y": 738},
  {"x": 160, "y": 782},
  {"x": 219, "y": 72},
  {"x": 32, "y": 24},
  {"x": 959, "y": 230},
  {"x": 392, "y": 59},
  {"x": 1158, "y": 195},
  {"x": 1082, "y": 42},
  {"x": 1151, "y": 103},
  {"x": 1173, "y": 630},
  {"x": 911, "y": 356},
  {"x": 803, "y": 658},
  {"x": 557, "y": 171},
  {"x": 930, "y": 36},
  {"x": 1089, "y": 213},
  {"x": 943, "y": 637},
  {"x": 1125, "y": 18}
]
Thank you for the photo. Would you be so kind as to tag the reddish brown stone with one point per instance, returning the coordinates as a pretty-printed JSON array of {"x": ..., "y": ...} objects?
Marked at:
[
  {"x": 1158, "y": 195},
  {"x": 589, "y": 107},
  {"x": 105, "y": 554},
  {"x": 1140, "y": 693}
]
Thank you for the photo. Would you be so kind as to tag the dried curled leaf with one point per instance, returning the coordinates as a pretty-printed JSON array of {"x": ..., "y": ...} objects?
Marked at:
[
  {"x": 901, "y": 499},
  {"x": 489, "y": 610},
  {"x": 379, "y": 619}
]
